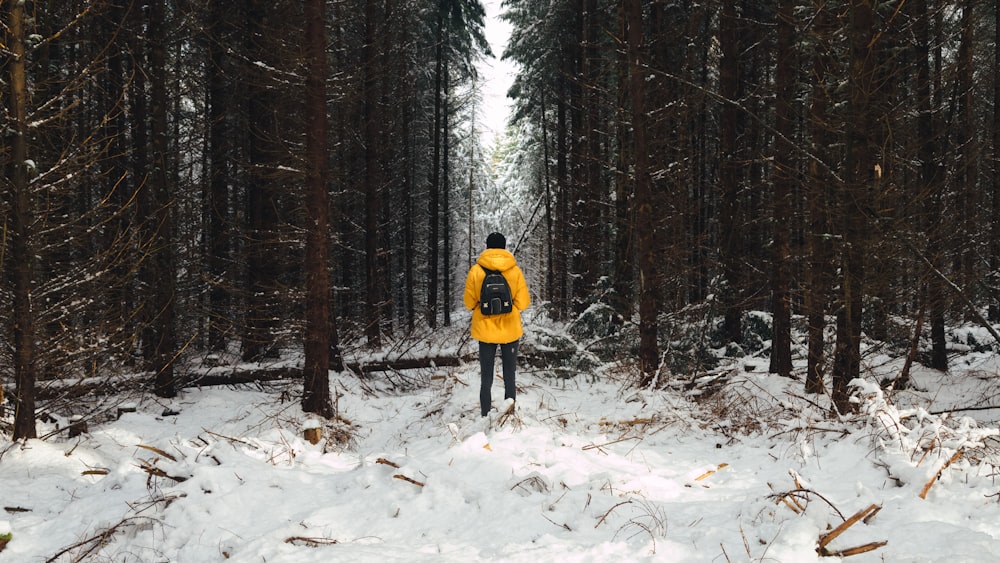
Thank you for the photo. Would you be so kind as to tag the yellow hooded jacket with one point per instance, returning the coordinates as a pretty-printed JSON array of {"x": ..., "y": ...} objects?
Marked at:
[{"x": 496, "y": 329}]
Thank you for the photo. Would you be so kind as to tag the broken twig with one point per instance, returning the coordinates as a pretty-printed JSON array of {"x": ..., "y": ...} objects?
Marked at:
[
  {"x": 927, "y": 487},
  {"x": 826, "y": 539},
  {"x": 408, "y": 480}
]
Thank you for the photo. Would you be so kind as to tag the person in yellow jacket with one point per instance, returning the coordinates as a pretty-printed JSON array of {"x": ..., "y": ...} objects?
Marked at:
[{"x": 502, "y": 330}]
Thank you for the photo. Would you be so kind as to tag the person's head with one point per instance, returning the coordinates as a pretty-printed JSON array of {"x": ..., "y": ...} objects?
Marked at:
[{"x": 496, "y": 240}]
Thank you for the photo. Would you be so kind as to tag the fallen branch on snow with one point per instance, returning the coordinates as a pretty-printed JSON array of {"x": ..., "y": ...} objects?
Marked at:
[
  {"x": 864, "y": 515},
  {"x": 384, "y": 461},
  {"x": 310, "y": 542},
  {"x": 927, "y": 487},
  {"x": 402, "y": 477},
  {"x": 711, "y": 472},
  {"x": 95, "y": 542}
]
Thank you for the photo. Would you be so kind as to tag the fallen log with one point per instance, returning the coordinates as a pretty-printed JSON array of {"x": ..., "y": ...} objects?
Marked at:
[
  {"x": 409, "y": 363},
  {"x": 534, "y": 358},
  {"x": 235, "y": 377},
  {"x": 72, "y": 389}
]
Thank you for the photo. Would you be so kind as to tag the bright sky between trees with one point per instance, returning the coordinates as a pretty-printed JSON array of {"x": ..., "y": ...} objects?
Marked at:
[{"x": 497, "y": 75}]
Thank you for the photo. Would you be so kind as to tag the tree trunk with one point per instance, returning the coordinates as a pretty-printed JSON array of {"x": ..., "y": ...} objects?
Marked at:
[
  {"x": 648, "y": 349},
  {"x": 408, "y": 213},
  {"x": 994, "y": 257},
  {"x": 784, "y": 167},
  {"x": 819, "y": 202},
  {"x": 261, "y": 198},
  {"x": 703, "y": 182},
  {"x": 20, "y": 260},
  {"x": 433, "y": 201},
  {"x": 577, "y": 206},
  {"x": 118, "y": 181},
  {"x": 931, "y": 176},
  {"x": 408, "y": 207},
  {"x": 162, "y": 274},
  {"x": 446, "y": 196},
  {"x": 316, "y": 370},
  {"x": 624, "y": 245},
  {"x": 549, "y": 220},
  {"x": 968, "y": 154},
  {"x": 730, "y": 231},
  {"x": 560, "y": 294},
  {"x": 372, "y": 179},
  {"x": 591, "y": 237},
  {"x": 220, "y": 173},
  {"x": 862, "y": 156}
]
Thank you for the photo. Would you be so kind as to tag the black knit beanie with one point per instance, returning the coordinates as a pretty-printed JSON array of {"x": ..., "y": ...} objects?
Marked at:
[{"x": 496, "y": 240}]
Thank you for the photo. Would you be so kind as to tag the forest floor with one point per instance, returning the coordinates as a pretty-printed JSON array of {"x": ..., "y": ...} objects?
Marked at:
[{"x": 588, "y": 468}]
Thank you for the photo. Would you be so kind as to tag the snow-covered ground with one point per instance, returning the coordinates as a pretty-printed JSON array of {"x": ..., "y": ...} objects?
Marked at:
[{"x": 589, "y": 469}]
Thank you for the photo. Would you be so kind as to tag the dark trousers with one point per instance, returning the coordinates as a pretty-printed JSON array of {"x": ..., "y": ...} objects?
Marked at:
[{"x": 487, "y": 357}]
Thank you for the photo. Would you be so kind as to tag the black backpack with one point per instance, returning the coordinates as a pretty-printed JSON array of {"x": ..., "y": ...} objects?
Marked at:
[{"x": 494, "y": 297}]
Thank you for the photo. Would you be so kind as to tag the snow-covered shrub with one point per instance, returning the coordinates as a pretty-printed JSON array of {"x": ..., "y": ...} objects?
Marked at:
[
  {"x": 905, "y": 439},
  {"x": 602, "y": 331},
  {"x": 687, "y": 356},
  {"x": 972, "y": 339},
  {"x": 757, "y": 330},
  {"x": 745, "y": 405},
  {"x": 558, "y": 351}
]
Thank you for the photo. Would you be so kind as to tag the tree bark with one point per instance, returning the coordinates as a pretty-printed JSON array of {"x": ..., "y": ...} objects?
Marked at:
[
  {"x": 316, "y": 369},
  {"x": 622, "y": 296},
  {"x": 560, "y": 295},
  {"x": 730, "y": 232},
  {"x": 862, "y": 157},
  {"x": 970, "y": 198},
  {"x": 261, "y": 198},
  {"x": 434, "y": 190},
  {"x": 819, "y": 202},
  {"x": 445, "y": 196},
  {"x": 648, "y": 349},
  {"x": 591, "y": 237},
  {"x": 994, "y": 222},
  {"x": 784, "y": 166},
  {"x": 161, "y": 282},
  {"x": 220, "y": 176},
  {"x": 931, "y": 184},
  {"x": 549, "y": 219},
  {"x": 409, "y": 212},
  {"x": 20, "y": 260},
  {"x": 372, "y": 178}
]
